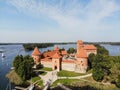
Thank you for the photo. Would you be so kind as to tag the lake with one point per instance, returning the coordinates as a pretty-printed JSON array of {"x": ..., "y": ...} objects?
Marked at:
[{"x": 13, "y": 50}]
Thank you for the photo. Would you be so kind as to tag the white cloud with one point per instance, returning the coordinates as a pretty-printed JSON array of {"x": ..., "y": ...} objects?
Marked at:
[
  {"x": 65, "y": 13},
  {"x": 71, "y": 15}
]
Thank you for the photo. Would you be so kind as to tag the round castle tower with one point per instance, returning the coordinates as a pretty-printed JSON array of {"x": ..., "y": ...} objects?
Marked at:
[{"x": 36, "y": 56}]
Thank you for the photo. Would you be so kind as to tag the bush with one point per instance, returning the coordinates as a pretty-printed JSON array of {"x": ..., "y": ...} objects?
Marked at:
[
  {"x": 71, "y": 50},
  {"x": 118, "y": 82},
  {"x": 98, "y": 73}
]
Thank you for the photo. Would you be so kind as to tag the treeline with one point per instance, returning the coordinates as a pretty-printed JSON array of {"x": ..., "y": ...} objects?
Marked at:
[
  {"x": 111, "y": 43},
  {"x": 105, "y": 68},
  {"x": 11, "y": 43},
  {"x": 116, "y": 43},
  {"x": 31, "y": 46}
]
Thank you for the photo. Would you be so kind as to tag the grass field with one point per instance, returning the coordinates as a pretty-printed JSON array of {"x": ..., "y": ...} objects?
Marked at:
[
  {"x": 46, "y": 69},
  {"x": 40, "y": 83},
  {"x": 65, "y": 73},
  {"x": 86, "y": 82},
  {"x": 34, "y": 79}
]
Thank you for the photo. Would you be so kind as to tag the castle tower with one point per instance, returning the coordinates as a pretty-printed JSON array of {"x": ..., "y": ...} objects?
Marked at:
[
  {"x": 79, "y": 45},
  {"x": 56, "y": 48},
  {"x": 36, "y": 56},
  {"x": 81, "y": 62},
  {"x": 56, "y": 61}
]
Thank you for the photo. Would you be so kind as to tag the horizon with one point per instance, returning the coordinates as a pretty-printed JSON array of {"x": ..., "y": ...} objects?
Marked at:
[
  {"x": 53, "y": 42},
  {"x": 33, "y": 21}
]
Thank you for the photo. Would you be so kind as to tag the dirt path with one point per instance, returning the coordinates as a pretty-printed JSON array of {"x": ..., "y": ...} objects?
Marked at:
[{"x": 49, "y": 78}]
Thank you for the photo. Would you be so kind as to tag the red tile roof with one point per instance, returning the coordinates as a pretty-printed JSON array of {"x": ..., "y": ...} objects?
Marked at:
[
  {"x": 64, "y": 52},
  {"x": 36, "y": 52},
  {"x": 56, "y": 56},
  {"x": 89, "y": 47},
  {"x": 82, "y": 54}
]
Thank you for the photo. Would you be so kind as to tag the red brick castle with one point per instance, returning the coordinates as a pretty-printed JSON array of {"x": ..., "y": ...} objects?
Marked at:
[{"x": 58, "y": 61}]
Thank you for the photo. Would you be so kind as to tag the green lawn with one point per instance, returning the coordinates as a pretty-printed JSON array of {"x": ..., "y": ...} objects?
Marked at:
[
  {"x": 65, "y": 73},
  {"x": 40, "y": 83},
  {"x": 46, "y": 69},
  {"x": 82, "y": 84},
  {"x": 34, "y": 79},
  {"x": 44, "y": 73},
  {"x": 65, "y": 81}
]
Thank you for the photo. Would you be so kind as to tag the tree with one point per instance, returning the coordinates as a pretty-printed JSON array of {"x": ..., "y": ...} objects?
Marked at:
[
  {"x": 115, "y": 68},
  {"x": 105, "y": 67},
  {"x": 101, "y": 50},
  {"x": 91, "y": 60},
  {"x": 118, "y": 82},
  {"x": 98, "y": 73},
  {"x": 62, "y": 49},
  {"x": 71, "y": 50},
  {"x": 101, "y": 67},
  {"x": 17, "y": 60},
  {"x": 23, "y": 66}
]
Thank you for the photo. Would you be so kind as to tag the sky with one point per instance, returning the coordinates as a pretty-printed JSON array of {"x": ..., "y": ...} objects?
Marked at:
[{"x": 24, "y": 21}]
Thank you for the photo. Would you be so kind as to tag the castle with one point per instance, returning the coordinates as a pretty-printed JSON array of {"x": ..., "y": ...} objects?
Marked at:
[{"x": 56, "y": 59}]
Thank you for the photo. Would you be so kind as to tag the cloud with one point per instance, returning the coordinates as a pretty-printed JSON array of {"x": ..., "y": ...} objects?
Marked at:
[
  {"x": 69, "y": 12},
  {"x": 71, "y": 15}
]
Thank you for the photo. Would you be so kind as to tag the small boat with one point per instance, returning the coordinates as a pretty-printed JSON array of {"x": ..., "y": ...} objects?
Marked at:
[
  {"x": 2, "y": 51},
  {"x": 3, "y": 55},
  {"x": 12, "y": 68}
]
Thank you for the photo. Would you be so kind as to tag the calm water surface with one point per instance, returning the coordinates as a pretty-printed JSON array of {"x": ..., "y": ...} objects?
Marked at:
[
  {"x": 114, "y": 50},
  {"x": 13, "y": 50}
]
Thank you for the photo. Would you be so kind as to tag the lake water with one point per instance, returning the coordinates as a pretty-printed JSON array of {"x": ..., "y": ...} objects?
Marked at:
[
  {"x": 13, "y": 50},
  {"x": 114, "y": 50}
]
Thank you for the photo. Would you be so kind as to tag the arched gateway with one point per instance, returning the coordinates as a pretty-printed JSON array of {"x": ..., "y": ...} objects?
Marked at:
[{"x": 56, "y": 61}]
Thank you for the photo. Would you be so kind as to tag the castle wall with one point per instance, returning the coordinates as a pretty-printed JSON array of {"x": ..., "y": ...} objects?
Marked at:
[
  {"x": 66, "y": 64},
  {"x": 81, "y": 65},
  {"x": 47, "y": 63}
]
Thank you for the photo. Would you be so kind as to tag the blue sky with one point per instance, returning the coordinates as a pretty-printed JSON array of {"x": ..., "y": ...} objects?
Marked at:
[{"x": 59, "y": 20}]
